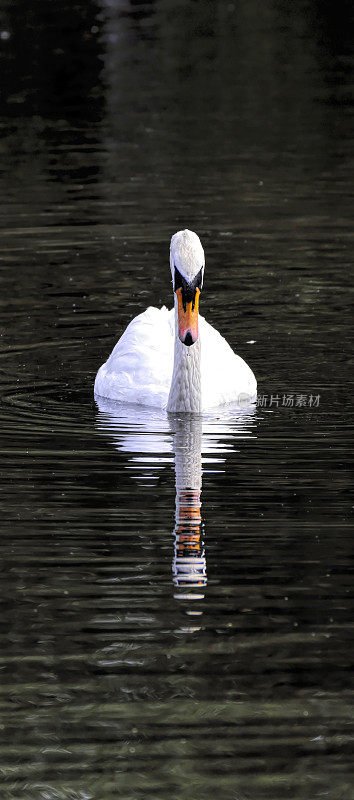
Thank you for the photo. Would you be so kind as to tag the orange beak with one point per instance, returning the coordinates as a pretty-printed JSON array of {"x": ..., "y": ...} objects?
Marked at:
[{"x": 188, "y": 318}]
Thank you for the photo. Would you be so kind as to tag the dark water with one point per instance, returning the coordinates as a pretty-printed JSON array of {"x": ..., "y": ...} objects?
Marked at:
[{"x": 157, "y": 642}]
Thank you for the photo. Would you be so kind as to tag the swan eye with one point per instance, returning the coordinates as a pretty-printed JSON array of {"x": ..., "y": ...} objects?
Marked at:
[{"x": 188, "y": 289}]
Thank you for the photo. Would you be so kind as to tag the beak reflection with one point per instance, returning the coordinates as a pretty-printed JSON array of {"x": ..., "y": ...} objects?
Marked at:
[
  {"x": 189, "y": 562},
  {"x": 150, "y": 440}
]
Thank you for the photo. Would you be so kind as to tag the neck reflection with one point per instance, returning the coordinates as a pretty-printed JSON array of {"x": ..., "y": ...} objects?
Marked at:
[
  {"x": 150, "y": 439},
  {"x": 189, "y": 562}
]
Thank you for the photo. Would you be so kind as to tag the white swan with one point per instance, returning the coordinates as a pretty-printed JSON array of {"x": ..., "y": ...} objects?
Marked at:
[{"x": 174, "y": 359}]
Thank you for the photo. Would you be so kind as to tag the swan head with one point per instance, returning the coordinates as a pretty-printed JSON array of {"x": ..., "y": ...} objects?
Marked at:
[{"x": 187, "y": 268}]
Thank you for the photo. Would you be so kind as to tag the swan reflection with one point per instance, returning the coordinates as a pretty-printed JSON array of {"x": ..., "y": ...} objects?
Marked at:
[
  {"x": 195, "y": 444},
  {"x": 189, "y": 563}
]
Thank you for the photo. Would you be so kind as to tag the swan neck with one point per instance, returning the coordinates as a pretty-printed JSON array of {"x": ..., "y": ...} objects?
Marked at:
[{"x": 185, "y": 392}]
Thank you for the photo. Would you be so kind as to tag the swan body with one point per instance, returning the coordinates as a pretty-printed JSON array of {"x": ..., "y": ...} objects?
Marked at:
[{"x": 154, "y": 364}]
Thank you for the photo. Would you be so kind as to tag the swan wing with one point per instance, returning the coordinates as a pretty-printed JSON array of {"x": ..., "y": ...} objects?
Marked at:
[
  {"x": 139, "y": 369},
  {"x": 225, "y": 375}
]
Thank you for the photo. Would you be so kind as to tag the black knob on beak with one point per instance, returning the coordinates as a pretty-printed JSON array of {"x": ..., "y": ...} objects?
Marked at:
[{"x": 188, "y": 339}]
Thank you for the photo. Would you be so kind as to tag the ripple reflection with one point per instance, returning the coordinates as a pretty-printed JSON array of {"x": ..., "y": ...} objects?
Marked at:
[{"x": 199, "y": 444}]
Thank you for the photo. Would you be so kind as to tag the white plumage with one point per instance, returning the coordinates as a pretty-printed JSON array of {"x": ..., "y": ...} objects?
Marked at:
[
  {"x": 151, "y": 366},
  {"x": 139, "y": 369}
]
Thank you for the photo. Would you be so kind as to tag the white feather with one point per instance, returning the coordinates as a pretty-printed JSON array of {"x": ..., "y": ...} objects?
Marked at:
[
  {"x": 139, "y": 369},
  {"x": 151, "y": 366}
]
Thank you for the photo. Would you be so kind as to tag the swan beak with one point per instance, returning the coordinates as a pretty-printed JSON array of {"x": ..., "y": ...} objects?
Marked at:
[{"x": 188, "y": 318}]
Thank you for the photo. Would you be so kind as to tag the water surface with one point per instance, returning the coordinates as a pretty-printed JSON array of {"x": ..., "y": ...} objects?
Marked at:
[{"x": 177, "y": 593}]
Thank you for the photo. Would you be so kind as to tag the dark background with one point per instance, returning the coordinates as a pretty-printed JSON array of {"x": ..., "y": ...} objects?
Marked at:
[{"x": 120, "y": 123}]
